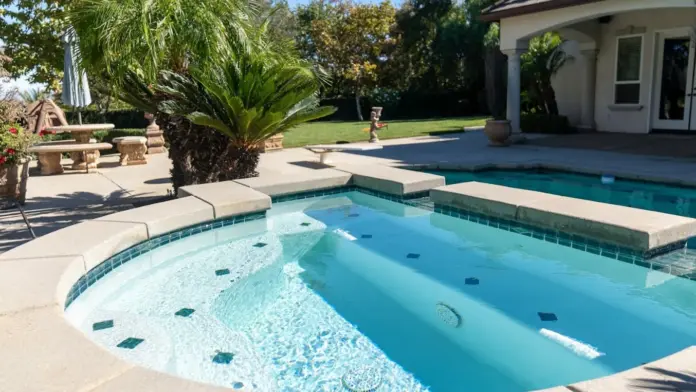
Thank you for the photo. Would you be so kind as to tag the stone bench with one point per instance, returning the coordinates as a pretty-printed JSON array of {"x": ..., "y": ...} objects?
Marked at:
[
  {"x": 633, "y": 228},
  {"x": 132, "y": 150},
  {"x": 50, "y": 154}
]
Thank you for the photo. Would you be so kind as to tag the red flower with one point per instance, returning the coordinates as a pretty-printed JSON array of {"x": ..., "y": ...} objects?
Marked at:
[
  {"x": 13, "y": 130},
  {"x": 2, "y": 160},
  {"x": 11, "y": 151}
]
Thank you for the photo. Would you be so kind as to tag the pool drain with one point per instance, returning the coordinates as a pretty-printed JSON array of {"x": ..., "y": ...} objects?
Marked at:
[
  {"x": 448, "y": 315},
  {"x": 362, "y": 379}
]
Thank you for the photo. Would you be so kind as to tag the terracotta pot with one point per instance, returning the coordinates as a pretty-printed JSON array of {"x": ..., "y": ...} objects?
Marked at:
[
  {"x": 13, "y": 181},
  {"x": 498, "y": 132}
]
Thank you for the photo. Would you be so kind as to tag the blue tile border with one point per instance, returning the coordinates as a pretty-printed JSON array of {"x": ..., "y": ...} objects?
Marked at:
[
  {"x": 584, "y": 244},
  {"x": 98, "y": 272},
  {"x": 127, "y": 255}
]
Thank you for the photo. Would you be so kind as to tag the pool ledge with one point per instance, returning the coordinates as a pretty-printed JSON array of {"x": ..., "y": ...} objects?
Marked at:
[{"x": 641, "y": 230}]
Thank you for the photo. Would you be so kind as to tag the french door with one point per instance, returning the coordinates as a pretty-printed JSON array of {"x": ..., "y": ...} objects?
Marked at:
[{"x": 675, "y": 94}]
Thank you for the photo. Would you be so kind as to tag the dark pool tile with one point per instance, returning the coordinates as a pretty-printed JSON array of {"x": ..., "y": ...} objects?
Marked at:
[
  {"x": 471, "y": 281},
  {"x": 353, "y": 215},
  {"x": 366, "y": 236},
  {"x": 625, "y": 258},
  {"x": 413, "y": 256},
  {"x": 223, "y": 358},
  {"x": 547, "y": 316},
  {"x": 593, "y": 249},
  {"x": 222, "y": 272},
  {"x": 565, "y": 242},
  {"x": 260, "y": 244},
  {"x": 103, "y": 325},
  {"x": 184, "y": 312},
  {"x": 305, "y": 224},
  {"x": 579, "y": 245},
  {"x": 643, "y": 263},
  {"x": 130, "y": 343}
]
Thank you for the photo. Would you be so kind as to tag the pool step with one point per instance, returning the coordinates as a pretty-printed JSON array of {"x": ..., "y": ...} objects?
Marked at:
[{"x": 648, "y": 232}]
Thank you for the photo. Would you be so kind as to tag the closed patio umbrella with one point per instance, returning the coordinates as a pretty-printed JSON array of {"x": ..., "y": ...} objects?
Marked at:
[{"x": 75, "y": 85}]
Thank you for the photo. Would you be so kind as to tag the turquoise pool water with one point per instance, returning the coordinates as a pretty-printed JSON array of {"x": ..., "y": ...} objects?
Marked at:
[
  {"x": 351, "y": 285},
  {"x": 648, "y": 196}
]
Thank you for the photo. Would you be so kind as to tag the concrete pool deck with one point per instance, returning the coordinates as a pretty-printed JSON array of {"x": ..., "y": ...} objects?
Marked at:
[{"x": 48, "y": 354}]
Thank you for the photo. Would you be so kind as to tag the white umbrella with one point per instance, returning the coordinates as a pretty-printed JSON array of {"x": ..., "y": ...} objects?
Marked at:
[{"x": 75, "y": 85}]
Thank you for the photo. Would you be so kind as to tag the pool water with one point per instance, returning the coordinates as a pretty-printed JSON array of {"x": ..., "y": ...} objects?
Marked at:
[
  {"x": 669, "y": 199},
  {"x": 405, "y": 298}
]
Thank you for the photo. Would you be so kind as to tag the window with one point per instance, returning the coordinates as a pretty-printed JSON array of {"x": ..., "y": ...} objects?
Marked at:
[{"x": 629, "y": 58}]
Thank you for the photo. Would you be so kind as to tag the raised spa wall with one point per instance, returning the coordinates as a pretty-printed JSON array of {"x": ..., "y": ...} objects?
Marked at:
[{"x": 42, "y": 352}]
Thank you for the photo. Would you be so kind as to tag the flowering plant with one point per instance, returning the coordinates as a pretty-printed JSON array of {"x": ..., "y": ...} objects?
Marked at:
[{"x": 14, "y": 143}]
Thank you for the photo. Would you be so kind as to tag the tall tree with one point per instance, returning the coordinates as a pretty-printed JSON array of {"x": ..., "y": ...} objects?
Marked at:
[
  {"x": 31, "y": 33},
  {"x": 210, "y": 72},
  {"x": 350, "y": 41}
]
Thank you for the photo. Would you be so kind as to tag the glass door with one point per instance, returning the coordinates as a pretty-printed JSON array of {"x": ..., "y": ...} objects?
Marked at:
[{"x": 675, "y": 82}]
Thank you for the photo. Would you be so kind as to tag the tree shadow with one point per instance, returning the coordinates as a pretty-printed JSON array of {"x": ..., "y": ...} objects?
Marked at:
[
  {"x": 48, "y": 214},
  {"x": 666, "y": 380}
]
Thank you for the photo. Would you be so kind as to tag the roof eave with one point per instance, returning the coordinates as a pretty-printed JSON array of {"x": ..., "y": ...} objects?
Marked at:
[{"x": 496, "y": 16}]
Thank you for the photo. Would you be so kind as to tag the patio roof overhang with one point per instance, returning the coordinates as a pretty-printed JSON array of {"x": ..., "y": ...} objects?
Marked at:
[{"x": 509, "y": 8}]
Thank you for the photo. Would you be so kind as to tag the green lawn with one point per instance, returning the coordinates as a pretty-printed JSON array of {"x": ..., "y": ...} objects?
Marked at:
[{"x": 334, "y": 131}]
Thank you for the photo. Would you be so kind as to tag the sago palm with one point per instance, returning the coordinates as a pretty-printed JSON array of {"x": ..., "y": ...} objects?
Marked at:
[{"x": 247, "y": 99}]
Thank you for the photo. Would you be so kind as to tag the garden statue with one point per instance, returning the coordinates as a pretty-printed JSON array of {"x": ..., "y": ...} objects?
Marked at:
[
  {"x": 374, "y": 124},
  {"x": 155, "y": 138}
]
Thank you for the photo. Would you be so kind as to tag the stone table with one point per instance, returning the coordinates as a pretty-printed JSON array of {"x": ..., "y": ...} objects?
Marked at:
[{"x": 83, "y": 134}]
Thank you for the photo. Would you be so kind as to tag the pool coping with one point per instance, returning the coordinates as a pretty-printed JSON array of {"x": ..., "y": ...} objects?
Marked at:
[{"x": 37, "y": 278}]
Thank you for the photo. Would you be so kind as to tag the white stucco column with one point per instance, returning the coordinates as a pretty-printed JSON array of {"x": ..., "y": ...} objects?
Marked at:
[
  {"x": 514, "y": 88},
  {"x": 587, "y": 104}
]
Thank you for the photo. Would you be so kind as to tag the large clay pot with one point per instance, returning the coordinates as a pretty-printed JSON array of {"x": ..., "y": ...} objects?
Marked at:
[
  {"x": 13, "y": 181},
  {"x": 498, "y": 132}
]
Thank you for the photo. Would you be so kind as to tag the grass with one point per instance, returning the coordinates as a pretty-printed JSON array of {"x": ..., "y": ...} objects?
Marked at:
[{"x": 332, "y": 132}]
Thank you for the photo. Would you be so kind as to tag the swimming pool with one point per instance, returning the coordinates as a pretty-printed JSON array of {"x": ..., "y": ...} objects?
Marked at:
[
  {"x": 648, "y": 196},
  {"x": 340, "y": 290}
]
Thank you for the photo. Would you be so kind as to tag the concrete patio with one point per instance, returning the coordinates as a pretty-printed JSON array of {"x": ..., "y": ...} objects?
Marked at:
[{"x": 54, "y": 202}]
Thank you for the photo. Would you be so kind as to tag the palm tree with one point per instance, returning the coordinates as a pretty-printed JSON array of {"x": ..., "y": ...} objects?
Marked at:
[
  {"x": 33, "y": 95},
  {"x": 542, "y": 61},
  {"x": 162, "y": 54},
  {"x": 246, "y": 99}
]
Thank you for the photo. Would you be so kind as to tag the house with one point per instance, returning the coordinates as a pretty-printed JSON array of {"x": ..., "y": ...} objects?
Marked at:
[{"x": 634, "y": 60}]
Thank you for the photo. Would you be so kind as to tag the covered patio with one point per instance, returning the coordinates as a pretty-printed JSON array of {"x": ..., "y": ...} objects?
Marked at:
[{"x": 634, "y": 60}]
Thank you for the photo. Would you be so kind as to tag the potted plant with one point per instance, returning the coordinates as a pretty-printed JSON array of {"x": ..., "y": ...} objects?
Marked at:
[
  {"x": 14, "y": 161},
  {"x": 498, "y": 128}
]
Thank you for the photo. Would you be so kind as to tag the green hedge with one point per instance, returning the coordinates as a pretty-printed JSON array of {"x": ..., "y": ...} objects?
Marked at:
[
  {"x": 545, "y": 123},
  {"x": 102, "y": 136},
  {"x": 122, "y": 119}
]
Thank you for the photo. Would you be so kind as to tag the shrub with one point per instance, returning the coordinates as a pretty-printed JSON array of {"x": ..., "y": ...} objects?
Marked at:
[
  {"x": 545, "y": 123},
  {"x": 122, "y": 119},
  {"x": 14, "y": 143}
]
